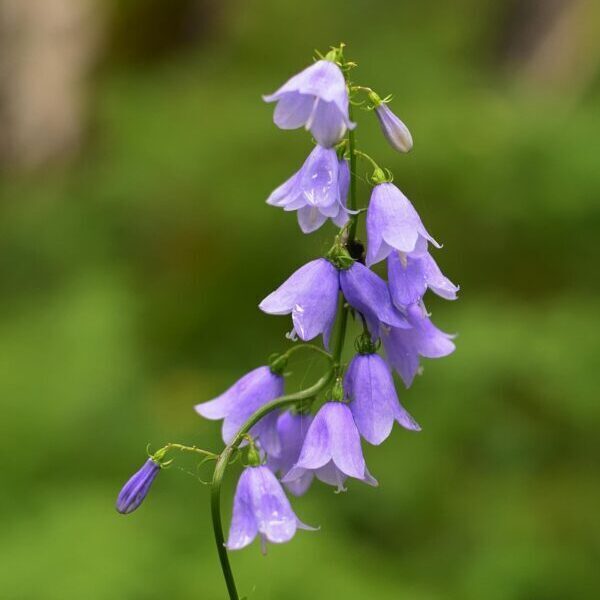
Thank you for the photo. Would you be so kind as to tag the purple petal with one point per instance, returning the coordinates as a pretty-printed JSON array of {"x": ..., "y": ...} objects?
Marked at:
[
  {"x": 370, "y": 386},
  {"x": 316, "y": 450},
  {"x": 403, "y": 347},
  {"x": 243, "y": 528},
  {"x": 392, "y": 222},
  {"x": 327, "y": 123},
  {"x": 274, "y": 516},
  {"x": 432, "y": 342},
  {"x": 310, "y": 218},
  {"x": 243, "y": 398},
  {"x": 401, "y": 352},
  {"x": 259, "y": 382},
  {"x": 368, "y": 293},
  {"x": 292, "y": 110},
  {"x": 331, "y": 475},
  {"x": 285, "y": 193},
  {"x": 319, "y": 178},
  {"x": 344, "y": 439},
  {"x": 437, "y": 281},
  {"x": 310, "y": 294},
  {"x": 407, "y": 279}
]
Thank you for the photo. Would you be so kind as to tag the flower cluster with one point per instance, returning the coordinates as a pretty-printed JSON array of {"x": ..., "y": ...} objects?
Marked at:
[
  {"x": 298, "y": 445},
  {"x": 291, "y": 440}
]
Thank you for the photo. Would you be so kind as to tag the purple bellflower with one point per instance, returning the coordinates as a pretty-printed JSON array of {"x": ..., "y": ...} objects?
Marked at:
[
  {"x": 260, "y": 507},
  {"x": 241, "y": 400},
  {"x": 367, "y": 292},
  {"x": 394, "y": 130},
  {"x": 331, "y": 449},
  {"x": 374, "y": 402},
  {"x": 409, "y": 276},
  {"x": 393, "y": 224},
  {"x": 403, "y": 347},
  {"x": 317, "y": 191},
  {"x": 316, "y": 98},
  {"x": 291, "y": 428},
  {"x": 137, "y": 487},
  {"x": 311, "y": 295}
]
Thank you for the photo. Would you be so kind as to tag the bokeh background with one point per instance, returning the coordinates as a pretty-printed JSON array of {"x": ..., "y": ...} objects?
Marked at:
[{"x": 135, "y": 245}]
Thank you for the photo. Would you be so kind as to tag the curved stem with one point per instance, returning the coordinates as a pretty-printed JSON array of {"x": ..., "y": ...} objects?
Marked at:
[
  {"x": 223, "y": 461},
  {"x": 308, "y": 347}
]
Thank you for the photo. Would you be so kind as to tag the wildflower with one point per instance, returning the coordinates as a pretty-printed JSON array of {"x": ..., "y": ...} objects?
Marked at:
[
  {"x": 317, "y": 99},
  {"x": 260, "y": 507},
  {"x": 137, "y": 487},
  {"x": 310, "y": 294},
  {"x": 374, "y": 402},
  {"x": 394, "y": 130},
  {"x": 241, "y": 400},
  {"x": 291, "y": 428},
  {"x": 331, "y": 449},
  {"x": 409, "y": 276},
  {"x": 403, "y": 347},
  {"x": 317, "y": 191},
  {"x": 368, "y": 293},
  {"x": 393, "y": 223}
]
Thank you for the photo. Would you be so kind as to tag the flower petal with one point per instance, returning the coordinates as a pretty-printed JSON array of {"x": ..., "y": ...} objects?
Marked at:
[
  {"x": 368, "y": 293},
  {"x": 243, "y": 528},
  {"x": 344, "y": 439},
  {"x": 274, "y": 516}
]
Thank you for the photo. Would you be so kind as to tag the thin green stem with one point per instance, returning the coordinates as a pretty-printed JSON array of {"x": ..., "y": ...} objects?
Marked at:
[
  {"x": 312, "y": 347},
  {"x": 223, "y": 461}
]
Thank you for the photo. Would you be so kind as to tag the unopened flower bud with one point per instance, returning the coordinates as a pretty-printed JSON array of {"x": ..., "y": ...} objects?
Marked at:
[
  {"x": 394, "y": 130},
  {"x": 137, "y": 488}
]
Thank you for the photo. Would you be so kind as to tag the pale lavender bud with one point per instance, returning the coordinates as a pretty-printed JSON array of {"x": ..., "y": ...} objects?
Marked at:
[{"x": 394, "y": 130}]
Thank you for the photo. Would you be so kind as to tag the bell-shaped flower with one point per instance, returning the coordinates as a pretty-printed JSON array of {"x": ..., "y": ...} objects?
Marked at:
[
  {"x": 291, "y": 428},
  {"x": 392, "y": 224},
  {"x": 310, "y": 295},
  {"x": 260, "y": 507},
  {"x": 331, "y": 449},
  {"x": 316, "y": 98},
  {"x": 368, "y": 293},
  {"x": 394, "y": 130},
  {"x": 403, "y": 347},
  {"x": 409, "y": 276},
  {"x": 137, "y": 487},
  {"x": 241, "y": 400},
  {"x": 317, "y": 191},
  {"x": 374, "y": 403}
]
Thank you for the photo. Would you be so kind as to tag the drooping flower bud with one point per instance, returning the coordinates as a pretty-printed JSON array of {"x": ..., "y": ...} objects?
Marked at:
[
  {"x": 137, "y": 487},
  {"x": 394, "y": 130}
]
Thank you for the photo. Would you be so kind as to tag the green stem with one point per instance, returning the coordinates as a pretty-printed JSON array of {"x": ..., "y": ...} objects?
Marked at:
[
  {"x": 312, "y": 347},
  {"x": 223, "y": 461}
]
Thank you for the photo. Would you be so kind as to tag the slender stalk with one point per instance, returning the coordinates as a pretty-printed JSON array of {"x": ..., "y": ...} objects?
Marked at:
[{"x": 223, "y": 461}]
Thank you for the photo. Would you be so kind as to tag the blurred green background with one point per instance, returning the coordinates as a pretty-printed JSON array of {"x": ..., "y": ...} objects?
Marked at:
[{"x": 135, "y": 246}]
